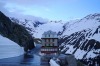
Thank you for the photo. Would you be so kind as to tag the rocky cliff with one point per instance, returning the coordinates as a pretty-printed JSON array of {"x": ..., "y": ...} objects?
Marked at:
[
  {"x": 82, "y": 37},
  {"x": 15, "y": 32}
]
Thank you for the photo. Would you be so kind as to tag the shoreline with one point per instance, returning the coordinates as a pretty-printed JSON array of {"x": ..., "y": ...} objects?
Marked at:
[{"x": 9, "y": 51}]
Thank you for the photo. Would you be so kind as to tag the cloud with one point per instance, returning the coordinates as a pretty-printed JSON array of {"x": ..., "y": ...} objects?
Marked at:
[
  {"x": 17, "y": 11},
  {"x": 24, "y": 5},
  {"x": 30, "y": 2},
  {"x": 3, "y": 9},
  {"x": 41, "y": 8}
]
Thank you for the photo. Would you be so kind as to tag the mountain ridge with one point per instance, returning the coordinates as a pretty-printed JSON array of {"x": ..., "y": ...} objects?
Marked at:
[
  {"x": 80, "y": 35},
  {"x": 15, "y": 32}
]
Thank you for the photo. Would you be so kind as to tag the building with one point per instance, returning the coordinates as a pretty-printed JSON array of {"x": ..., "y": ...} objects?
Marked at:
[{"x": 49, "y": 43}]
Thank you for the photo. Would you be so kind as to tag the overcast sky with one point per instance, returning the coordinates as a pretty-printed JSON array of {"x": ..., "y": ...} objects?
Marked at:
[{"x": 50, "y": 9}]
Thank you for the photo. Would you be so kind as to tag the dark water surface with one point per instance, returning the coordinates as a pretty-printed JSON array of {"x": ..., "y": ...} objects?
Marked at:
[
  {"x": 13, "y": 55},
  {"x": 7, "y": 51}
]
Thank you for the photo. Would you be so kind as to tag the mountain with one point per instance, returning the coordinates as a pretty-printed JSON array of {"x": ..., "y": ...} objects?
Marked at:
[
  {"x": 82, "y": 37},
  {"x": 30, "y": 25},
  {"x": 15, "y": 32},
  {"x": 37, "y": 27}
]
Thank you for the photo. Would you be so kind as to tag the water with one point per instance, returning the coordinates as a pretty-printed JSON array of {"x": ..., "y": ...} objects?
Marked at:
[
  {"x": 7, "y": 51},
  {"x": 12, "y": 55}
]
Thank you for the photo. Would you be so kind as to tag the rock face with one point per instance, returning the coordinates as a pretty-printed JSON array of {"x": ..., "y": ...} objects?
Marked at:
[
  {"x": 82, "y": 37},
  {"x": 15, "y": 32},
  {"x": 67, "y": 60}
]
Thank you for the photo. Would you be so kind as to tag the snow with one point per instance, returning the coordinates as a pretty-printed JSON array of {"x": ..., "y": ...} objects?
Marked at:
[
  {"x": 55, "y": 27},
  {"x": 53, "y": 63},
  {"x": 88, "y": 23},
  {"x": 79, "y": 54},
  {"x": 70, "y": 50},
  {"x": 29, "y": 17},
  {"x": 80, "y": 25},
  {"x": 90, "y": 54},
  {"x": 6, "y": 41},
  {"x": 9, "y": 48},
  {"x": 96, "y": 37}
]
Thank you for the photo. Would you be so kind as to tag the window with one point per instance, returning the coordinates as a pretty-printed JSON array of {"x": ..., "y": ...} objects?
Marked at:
[
  {"x": 43, "y": 44},
  {"x": 48, "y": 40},
  {"x": 47, "y": 44},
  {"x": 54, "y": 44},
  {"x": 49, "y": 35},
  {"x": 51, "y": 44},
  {"x": 53, "y": 40},
  {"x": 45, "y": 35}
]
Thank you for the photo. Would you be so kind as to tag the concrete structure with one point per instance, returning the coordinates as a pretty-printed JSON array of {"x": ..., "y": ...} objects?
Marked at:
[{"x": 49, "y": 43}]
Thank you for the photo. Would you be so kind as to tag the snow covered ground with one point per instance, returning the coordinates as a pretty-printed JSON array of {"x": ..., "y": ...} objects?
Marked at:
[
  {"x": 9, "y": 48},
  {"x": 82, "y": 34},
  {"x": 53, "y": 63},
  {"x": 56, "y": 27},
  {"x": 75, "y": 26},
  {"x": 85, "y": 27}
]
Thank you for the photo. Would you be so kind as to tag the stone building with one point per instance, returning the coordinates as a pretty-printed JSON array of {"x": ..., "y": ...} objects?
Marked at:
[{"x": 49, "y": 43}]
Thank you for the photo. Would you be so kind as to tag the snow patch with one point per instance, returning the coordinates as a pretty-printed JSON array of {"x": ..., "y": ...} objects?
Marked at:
[
  {"x": 53, "y": 63},
  {"x": 9, "y": 48}
]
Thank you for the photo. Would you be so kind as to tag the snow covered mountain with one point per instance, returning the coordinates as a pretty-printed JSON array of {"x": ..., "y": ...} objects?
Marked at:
[
  {"x": 38, "y": 27},
  {"x": 15, "y": 32},
  {"x": 82, "y": 37}
]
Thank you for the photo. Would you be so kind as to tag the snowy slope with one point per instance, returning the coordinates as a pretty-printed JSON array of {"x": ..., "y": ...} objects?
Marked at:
[
  {"x": 6, "y": 41},
  {"x": 30, "y": 25},
  {"x": 54, "y": 26},
  {"x": 53, "y": 63},
  {"x": 85, "y": 23},
  {"x": 79, "y": 37},
  {"x": 83, "y": 37},
  {"x": 9, "y": 48},
  {"x": 37, "y": 27}
]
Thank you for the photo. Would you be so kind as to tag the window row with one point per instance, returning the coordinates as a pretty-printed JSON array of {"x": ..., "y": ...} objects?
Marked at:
[
  {"x": 49, "y": 44},
  {"x": 49, "y": 35},
  {"x": 49, "y": 49},
  {"x": 49, "y": 40}
]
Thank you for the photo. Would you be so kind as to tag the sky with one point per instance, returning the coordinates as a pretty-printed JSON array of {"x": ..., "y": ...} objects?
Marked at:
[{"x": 50, "y": 9}]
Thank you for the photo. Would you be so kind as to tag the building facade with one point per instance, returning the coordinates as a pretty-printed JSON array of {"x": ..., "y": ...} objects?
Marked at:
[{"x": 49, "y": 43}]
